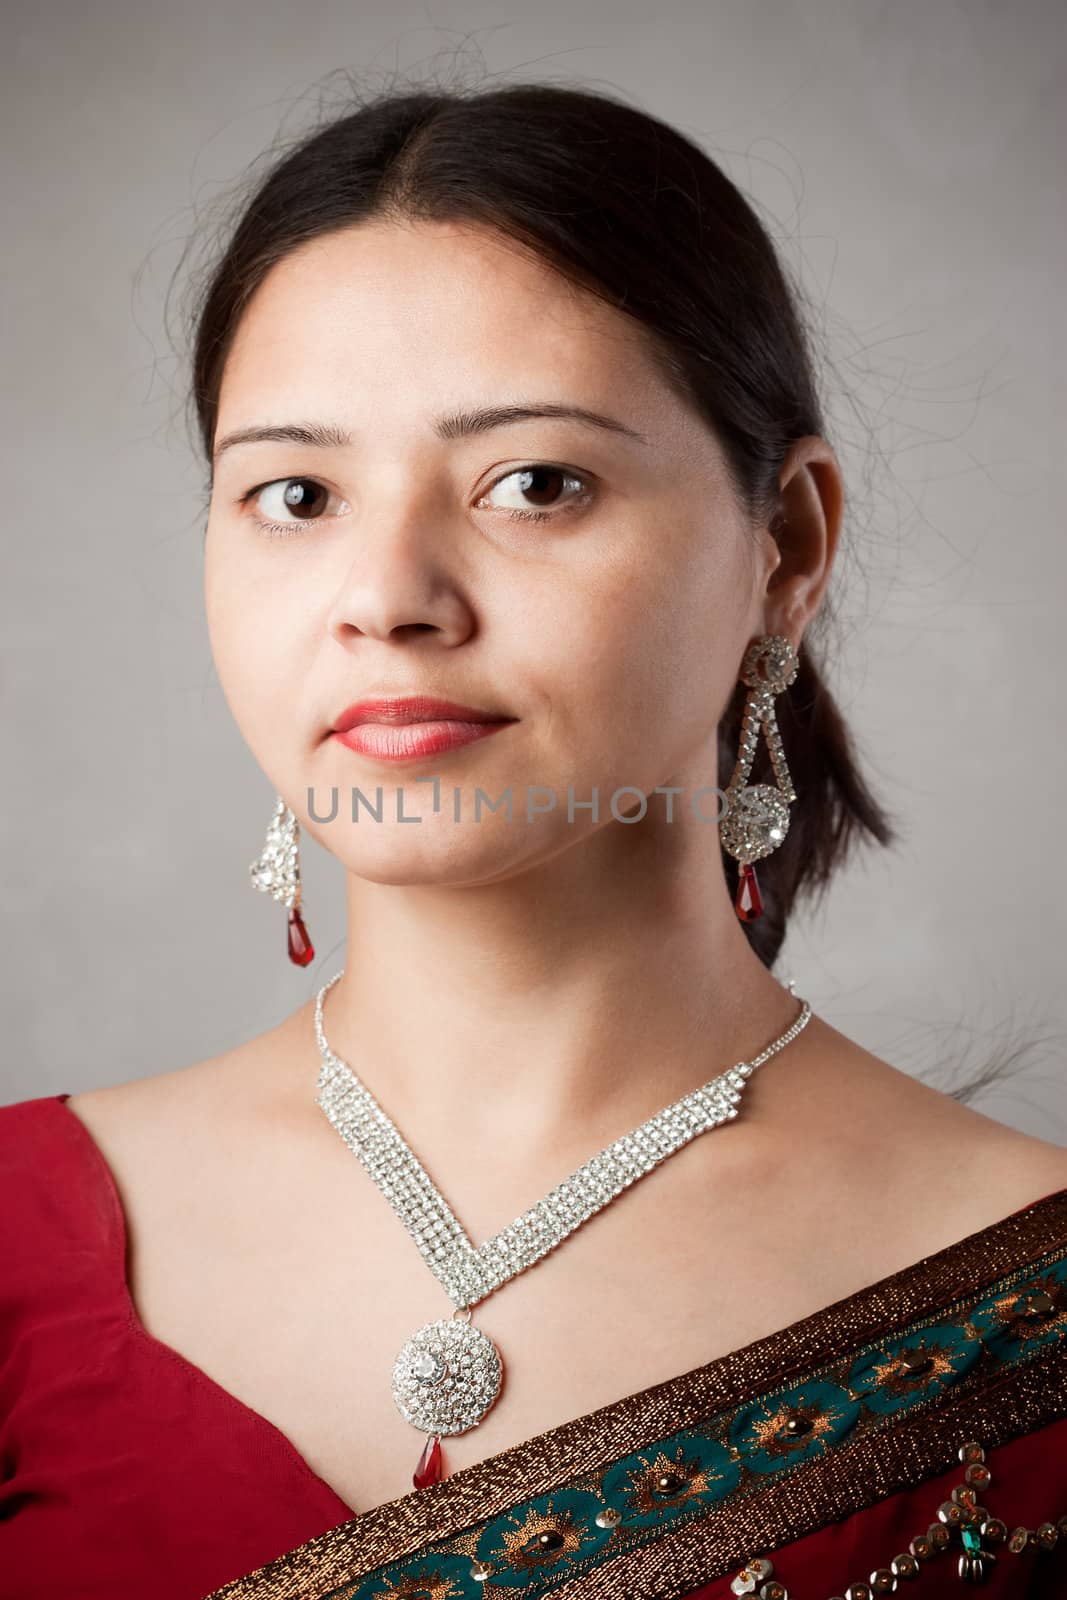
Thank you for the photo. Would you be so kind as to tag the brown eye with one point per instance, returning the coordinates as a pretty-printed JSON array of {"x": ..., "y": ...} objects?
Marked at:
[
  {"x": 541, "y": 486},
  {"x": 290, "y": 504},
  {"x": 301, "y": 498},
  {"x": 538, "y": 491}
]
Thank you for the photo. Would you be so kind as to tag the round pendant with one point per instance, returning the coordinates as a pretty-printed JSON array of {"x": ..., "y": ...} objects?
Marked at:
[{"x": 446, "y": 1377}]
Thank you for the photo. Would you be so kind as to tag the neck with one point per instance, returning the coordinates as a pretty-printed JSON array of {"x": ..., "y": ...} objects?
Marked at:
[{"x": 549, "y": 1016}]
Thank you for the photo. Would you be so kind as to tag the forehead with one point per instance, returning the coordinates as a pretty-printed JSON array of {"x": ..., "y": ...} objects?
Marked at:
[{"x": 374, "y": 312}]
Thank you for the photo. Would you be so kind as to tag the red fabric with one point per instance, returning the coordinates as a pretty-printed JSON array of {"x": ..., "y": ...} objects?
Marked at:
[
  {"x": 1029, "y": 1487},
  {"x": 125, "y": 1471}
]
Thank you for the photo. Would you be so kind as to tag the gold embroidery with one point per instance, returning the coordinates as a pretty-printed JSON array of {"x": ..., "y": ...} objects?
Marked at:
[
  {"x": 669, "y": 1481},
  {"x": 909, "y": 1370},
  {"x": 539, "y": 1540}
]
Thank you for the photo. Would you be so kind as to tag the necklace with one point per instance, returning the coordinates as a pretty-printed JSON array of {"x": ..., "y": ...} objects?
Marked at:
[{"x": 448, "y": 1374}]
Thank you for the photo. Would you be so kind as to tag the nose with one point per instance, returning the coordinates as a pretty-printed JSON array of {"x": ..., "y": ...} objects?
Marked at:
[{"x": 399, "y": 585}]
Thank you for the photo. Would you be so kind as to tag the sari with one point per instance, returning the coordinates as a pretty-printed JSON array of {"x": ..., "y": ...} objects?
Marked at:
[
  {"x": 828, "y": 1450},
  {"x": 915, "y": 1431}
]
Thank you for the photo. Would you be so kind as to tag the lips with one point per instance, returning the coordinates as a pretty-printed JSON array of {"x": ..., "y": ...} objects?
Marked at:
[
  {"x": 414, "y": 708},
  {"x": 414, "y": 728}
]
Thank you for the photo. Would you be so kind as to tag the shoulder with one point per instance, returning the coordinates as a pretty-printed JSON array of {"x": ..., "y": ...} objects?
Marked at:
[
  {"x": 898, "y": 1149},
  {"x": 235, "y": 1079},
  {"x": 57, "y": 1222},
  {"x": 38, "y": 1173},
  {"x": 156, "y": 1132},
  {"x": 988, "y": 1166},
  {"x": 32, "y": 1143}
]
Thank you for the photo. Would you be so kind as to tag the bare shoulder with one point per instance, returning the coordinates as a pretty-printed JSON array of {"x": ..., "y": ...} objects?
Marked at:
[
  {"x": 136, "y": 1123},
  {"x": 1020, "y": 1166},
  {"x": 934, "y": 1168}
]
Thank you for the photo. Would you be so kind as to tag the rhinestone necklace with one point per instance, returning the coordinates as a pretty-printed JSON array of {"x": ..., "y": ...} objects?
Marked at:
[{"x": 448, "y": 1374}]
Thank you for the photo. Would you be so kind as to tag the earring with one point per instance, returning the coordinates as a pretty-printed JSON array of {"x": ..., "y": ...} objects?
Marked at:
[
  {"x": 277, "y": 872},
  {"x": 757, "y": 817}
]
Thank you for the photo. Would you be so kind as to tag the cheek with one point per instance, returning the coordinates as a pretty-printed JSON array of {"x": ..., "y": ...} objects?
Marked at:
[
  {"x": 253, "y": 628},
  {"x": 644, "y": 660}
]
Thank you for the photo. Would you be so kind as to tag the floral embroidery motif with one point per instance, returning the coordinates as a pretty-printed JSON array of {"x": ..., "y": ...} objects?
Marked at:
[
  {"x": 704, "y": 1471},
  {"x": 792, "y": 1426},
  {"x": 541, "y": 1536},
  {"x": 892, "y": 1376}
]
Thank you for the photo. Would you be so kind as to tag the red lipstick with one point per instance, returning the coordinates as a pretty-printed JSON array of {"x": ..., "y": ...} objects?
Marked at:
[{"x": 412, "y": 728}]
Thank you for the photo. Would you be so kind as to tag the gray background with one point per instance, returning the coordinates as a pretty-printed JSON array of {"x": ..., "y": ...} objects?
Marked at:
[{"x": 905, "y": 156}]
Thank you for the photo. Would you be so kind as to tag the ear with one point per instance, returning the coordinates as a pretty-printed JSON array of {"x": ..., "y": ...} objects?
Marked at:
[{"x": 805, "y": 530}]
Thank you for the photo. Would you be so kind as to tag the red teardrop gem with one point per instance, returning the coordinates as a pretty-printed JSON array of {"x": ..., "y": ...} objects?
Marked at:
[
  {"x": 748, "y": 904},
  {"x": 301, "y": 949},
  {"x": 429, "y": 1469}
]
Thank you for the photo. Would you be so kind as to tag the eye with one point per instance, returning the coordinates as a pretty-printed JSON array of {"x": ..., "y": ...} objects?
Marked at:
[
  {"x": 306, "y": 498},
  {"x": 543, "y": 482}
]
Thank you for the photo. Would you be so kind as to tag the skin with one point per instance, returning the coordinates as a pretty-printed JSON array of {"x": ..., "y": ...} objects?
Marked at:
[{"x": 516, "y": 994}]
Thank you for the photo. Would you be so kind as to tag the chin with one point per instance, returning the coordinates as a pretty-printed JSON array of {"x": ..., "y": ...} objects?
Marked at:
[{"x": 455, "y": 855}]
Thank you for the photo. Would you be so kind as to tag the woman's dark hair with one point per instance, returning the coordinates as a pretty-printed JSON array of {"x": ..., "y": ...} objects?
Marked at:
[{"x": 627, "y": 208}]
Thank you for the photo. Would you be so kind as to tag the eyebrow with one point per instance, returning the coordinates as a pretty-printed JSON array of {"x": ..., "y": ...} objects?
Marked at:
[{"x": 453, "y": 425}]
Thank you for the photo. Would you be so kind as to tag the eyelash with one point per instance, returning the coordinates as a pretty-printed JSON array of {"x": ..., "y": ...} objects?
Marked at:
[{"x": 285, "y": 530}]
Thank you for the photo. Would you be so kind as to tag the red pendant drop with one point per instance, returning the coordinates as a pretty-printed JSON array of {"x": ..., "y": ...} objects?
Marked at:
[
  {"x": 429, "y": 1469},
  {"x": 301, "y": 950},
  {"x": 748, "y": 904}
]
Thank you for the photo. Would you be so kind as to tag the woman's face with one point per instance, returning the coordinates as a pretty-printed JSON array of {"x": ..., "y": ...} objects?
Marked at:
[{"x": 609, "y": 627}]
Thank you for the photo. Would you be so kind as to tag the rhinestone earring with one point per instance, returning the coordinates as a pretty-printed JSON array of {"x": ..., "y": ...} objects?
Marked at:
[
  {"x": 277, "y": 872},
  {"x": 757, "y": 817}
]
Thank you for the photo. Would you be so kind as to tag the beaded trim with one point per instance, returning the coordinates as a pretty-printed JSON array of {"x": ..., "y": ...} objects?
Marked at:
[
  {"x": 961, "y": 1514},
  {"x": 874, "y": 1415}
]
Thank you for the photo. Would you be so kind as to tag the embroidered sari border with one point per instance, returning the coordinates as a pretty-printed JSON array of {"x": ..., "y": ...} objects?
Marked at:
[
  {"x": 991, "y": 1405},
  {"x": 842, "y": 1482}
]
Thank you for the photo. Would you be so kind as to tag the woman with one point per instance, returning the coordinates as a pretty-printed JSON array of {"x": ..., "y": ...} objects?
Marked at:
[{"x": 507, "y": 405}]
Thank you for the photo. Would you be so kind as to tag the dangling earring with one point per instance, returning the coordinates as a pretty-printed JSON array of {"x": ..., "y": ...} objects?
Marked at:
[
  {"x": 757, "y": 818},
  {"x": 277, "y": 872}
]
